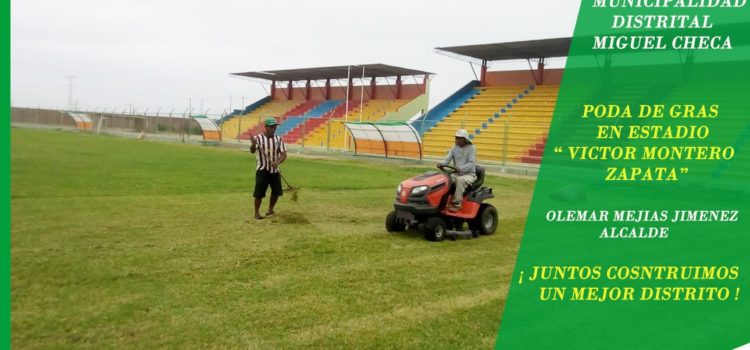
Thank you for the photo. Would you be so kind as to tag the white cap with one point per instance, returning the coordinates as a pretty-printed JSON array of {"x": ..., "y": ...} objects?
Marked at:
[{"x": 463, "y": 133}]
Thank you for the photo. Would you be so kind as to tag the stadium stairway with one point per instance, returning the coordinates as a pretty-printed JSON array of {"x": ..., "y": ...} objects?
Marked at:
[
  {"x": 248, "y": 109},
  {"x": 519, "y": 133},
  {"x": 232, "y": 128},
  {"x": 476, "y": 114},
  {"x": 446, "y": 107},
  {"x": 534, "y": 154},
  {"x": 298, "y": 108},
  {"x": 279, "y": 114},
  {"x": 311, "y": 124},
  {"x": 293, "y": 122}
]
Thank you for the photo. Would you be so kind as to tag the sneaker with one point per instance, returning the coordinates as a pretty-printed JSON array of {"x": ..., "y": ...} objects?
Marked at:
[{"x": 454, "y": 208}]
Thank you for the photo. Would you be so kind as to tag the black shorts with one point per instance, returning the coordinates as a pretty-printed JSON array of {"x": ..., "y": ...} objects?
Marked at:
[{"x": 264, "y": 178}]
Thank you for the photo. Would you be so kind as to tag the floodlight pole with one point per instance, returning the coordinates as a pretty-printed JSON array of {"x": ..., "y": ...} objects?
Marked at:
[
  {"x": 346, "y": 111},
  {"x": 361, "y": 93},
  {"x": 70, "y": 90}
]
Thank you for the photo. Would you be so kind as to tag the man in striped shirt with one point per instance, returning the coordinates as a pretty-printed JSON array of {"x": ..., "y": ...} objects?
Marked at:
[{"x": 271, "y": 153}]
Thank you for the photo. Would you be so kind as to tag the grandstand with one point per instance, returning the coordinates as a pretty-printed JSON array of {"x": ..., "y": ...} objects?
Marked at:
[
  {"x": 525, "y": 124},
  {"x": 321, "y": 108},
  {"x": 472, "y": 116},
  {"x": 507, "y": 113},
  {"x": 312, "y": 123},
  {"x": 233, "y": 128},
  {"x": 312, "y": 114},
  {"x": 333, "y": 132},
  {"x": 444, "y": 108}
]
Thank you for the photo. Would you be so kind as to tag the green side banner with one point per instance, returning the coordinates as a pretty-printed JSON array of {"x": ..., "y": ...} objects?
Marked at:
[
  {"x": 638, "y": 235},
  {"x": 5, "y": 185}
]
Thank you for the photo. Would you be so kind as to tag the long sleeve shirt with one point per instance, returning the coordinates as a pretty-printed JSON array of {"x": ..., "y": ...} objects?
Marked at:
[{"x": 464, "y": 158}]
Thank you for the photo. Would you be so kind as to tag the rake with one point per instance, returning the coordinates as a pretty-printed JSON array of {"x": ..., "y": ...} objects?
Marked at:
[{"x": 293, "y": 190}]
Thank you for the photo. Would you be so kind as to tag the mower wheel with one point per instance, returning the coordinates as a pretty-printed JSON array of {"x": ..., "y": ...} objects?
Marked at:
[
  {"x": 435, "y": 229},
  {"x": 392, "y": 225},
  {"x": 486, "y": 222}
]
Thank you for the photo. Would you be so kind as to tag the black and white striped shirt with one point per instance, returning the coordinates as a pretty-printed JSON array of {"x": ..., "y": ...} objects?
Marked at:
[{"x": 269, "y": 150}]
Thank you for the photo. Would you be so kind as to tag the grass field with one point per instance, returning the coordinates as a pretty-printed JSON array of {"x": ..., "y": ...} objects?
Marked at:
[{"x": 119, "y": 243}]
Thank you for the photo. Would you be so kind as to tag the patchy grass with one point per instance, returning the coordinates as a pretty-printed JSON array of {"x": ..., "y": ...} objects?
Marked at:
[{"x": 122, "y": 243}]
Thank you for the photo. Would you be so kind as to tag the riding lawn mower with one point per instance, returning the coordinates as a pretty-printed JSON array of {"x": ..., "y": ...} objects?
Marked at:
[{"x": 422, "y": 203}]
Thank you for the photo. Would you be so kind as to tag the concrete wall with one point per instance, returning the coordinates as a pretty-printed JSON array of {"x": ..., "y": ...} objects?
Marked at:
[
  {"x": 136, "y": 123},
  {"x": 41, "y": 116},
  {"x": 383, "y": 92},
  {"x": 523, "y": 77},
  {"x": 408, "y": 110}
]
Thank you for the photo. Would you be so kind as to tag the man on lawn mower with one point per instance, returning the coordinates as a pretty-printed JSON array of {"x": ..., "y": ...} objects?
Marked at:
[{"x": 463, "y": 155}]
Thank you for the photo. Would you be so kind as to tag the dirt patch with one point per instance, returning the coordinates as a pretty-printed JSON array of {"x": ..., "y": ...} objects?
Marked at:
[{"x": 290, "y": 218}]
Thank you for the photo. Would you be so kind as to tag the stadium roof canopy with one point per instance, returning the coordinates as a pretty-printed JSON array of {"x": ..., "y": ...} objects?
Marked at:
[
  {"x": 542, "y": 48},
  {"x": 336, "y": 72}
]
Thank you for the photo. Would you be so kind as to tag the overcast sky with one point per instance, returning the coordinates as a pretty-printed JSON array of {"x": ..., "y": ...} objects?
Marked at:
[{"x": 159, "y": 53}]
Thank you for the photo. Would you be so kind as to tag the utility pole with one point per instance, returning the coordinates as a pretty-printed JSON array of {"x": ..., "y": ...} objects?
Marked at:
[{"x": 70, "y": 91}]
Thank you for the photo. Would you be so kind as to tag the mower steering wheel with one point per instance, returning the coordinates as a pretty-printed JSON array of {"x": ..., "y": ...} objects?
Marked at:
[{"x": 448, "y": 167}]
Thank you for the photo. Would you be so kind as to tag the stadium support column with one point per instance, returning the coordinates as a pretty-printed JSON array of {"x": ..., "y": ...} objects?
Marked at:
[
  {"x": 483, "y": 74},
  {"x": 273, "y": 90},
  {"x": 540, "y": 69},
  {"x": 350, "y": 88},
  {"x": 398, "y": 87},
  {"x": 328, "y": 89},
  {"x": 373, "y": 89},
  {"x": 307, "y": 90},
  {"x": 290, "y": 90}
]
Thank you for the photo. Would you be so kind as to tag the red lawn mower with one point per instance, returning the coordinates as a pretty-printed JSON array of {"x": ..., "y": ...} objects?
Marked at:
[{"x": 421, "y": 202}]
